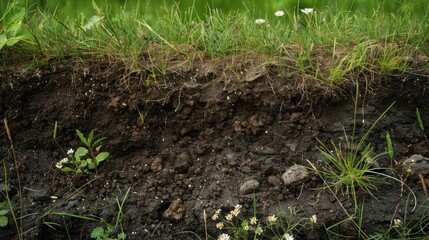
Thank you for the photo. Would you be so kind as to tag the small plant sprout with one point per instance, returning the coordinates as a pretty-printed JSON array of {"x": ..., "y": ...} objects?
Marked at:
[
  {"x": 85, "y": 158},
  {"x": 142, "y": 115}
]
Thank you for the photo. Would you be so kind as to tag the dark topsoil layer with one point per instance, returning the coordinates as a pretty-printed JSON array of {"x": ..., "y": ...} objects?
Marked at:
[{"x": 211, "y": 128}]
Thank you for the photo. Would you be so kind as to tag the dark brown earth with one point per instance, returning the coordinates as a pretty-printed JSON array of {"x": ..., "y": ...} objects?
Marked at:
[{"x": 210, "y": 126}]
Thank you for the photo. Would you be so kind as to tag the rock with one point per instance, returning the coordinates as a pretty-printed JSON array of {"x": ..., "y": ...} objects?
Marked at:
[
  {"x": 416, "y": 165},
  {"x": 181, "y": 165},
  {"x": 156, "y": 165},
  {"x": 295, "y": 176},
  {"x": 249, "y": 186},
  {"x": 39, "y": 195},
  {"x": 175, "y": 211},
  {"x": 274, "y": 180},
  {"x": 3, "y": 187}
]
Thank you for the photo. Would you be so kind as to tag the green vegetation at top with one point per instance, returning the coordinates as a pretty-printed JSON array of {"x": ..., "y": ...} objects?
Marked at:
[{"x": 350, "y": 35}]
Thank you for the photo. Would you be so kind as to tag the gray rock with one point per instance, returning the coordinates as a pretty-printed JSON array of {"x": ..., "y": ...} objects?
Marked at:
[
  {"x": 3, "y": 187},
  {"x": 249, "y": 186},
  {"x": 175, "y": 211},
  {"x": 274, "y": 180},
  {"x": 295, "y": 175},
  {"x": 416, "y": 164}
]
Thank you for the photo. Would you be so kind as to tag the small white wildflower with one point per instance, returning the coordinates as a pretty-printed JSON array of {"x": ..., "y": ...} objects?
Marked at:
[
  {"x": 64, "y": 160},
  {"x": 238, "y": 206},
  {"x": 219, "y": 225},
  {"x": 223, "y": 236},
  {"x": 272, "y": 218},
  {"x": 229, "y": 217},
  {"x": 313, "y": 218},
  {"x": 259, "y": 231},
  {"x": 253, "y": 220},
  {"x": 397, "y": 222},
  {"x": 307, "y": 10},
  {"x": 287, "y": 236},
  {"x": 70, "y": 151},
  {"x": 259, "y": 21},
  {"x": 59, "y": 165},
  {"x": 279, "y": 13}
]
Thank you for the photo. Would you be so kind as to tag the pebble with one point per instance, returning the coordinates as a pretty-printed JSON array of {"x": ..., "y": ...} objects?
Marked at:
[
  {"x": 295, "y": 175},
  {"x": 249, "y": 186}
]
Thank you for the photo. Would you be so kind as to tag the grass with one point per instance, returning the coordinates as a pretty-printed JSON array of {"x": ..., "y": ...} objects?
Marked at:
[{"x": 327, "y": 44}]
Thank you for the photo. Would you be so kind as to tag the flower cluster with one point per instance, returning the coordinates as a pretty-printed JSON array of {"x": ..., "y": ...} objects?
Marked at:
[
  {"x": 64, "y": 161},
  {"x": 242, "y": 228}
]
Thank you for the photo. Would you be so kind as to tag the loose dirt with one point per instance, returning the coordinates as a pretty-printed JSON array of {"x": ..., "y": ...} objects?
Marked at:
[{"x": 208, "y": 128}]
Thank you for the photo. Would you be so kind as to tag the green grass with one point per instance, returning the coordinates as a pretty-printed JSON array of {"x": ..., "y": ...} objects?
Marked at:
[{"x": 330, "y": 44}]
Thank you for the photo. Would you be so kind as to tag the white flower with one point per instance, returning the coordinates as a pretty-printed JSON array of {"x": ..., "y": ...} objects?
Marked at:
[
  {"x": 287, "y": 236},
  {"x": 307, "y": 10},
  {"x": 70, "y": 151},
  {"x": 279, "y": 13},
  {"x": 313, "y": 218},
  {"x": 219, "y": 225},
  {"x": 272, "y": 218},
  {"x": 259, "y": 21},
  {"x": 64, "y": 160},
  {"x": 59, "y": 165},
  {"x": 223, "y": 236},
  {"x": 397, "y": 222},
  {"x": 253, "y": 220}
]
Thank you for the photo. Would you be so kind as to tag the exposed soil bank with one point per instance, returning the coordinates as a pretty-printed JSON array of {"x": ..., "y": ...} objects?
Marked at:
[{"x": 209, "y": 130}]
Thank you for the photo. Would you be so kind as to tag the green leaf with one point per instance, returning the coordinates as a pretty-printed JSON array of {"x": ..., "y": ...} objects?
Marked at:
[
  {"x": 97, "y": 233},
  {"x": 102, "y": 156},
  {"x": 80, "y": 152},
  {"x": 83, "y": 164},
  {"x": 82, "y": 138},
  {"x": 66, "y": 169},
  {"x": 90, "y": 137},
  {"x": 3, "y": 212},
  {"x": 99, "y": 140},
  {"x": 3, "y": 221},
  {"x": 18, "y": 16},
  {"x": 122, "y": 236},
  {"x": 96, "y": 8},
  {"x": 3, "y": 40},
  {"x": 91, "y": 165}
]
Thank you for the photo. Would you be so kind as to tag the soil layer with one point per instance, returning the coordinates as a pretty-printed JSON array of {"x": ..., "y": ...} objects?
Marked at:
[{"x": 206, "y": 131}]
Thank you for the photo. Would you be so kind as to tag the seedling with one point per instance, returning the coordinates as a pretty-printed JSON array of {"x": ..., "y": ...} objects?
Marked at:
[
  {"x": 142, "y": 115},
  {"x": 85, "y": 158}
]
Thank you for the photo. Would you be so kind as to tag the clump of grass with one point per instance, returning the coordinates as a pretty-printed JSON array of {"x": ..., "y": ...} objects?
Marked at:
[{"x": 350, "y": 166}]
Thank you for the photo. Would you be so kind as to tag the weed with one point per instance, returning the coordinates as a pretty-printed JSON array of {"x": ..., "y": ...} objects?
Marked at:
[
  {"x": 350, "y": 166},
  {"x": 142, "y": 116},
  {"x": 85, "y": 158}
]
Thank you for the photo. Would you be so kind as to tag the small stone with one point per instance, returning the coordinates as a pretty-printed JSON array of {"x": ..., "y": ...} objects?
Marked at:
[
  {"x": 274, "y": 180},
  {"x": 175, "y": 211},
  {"x": 156, "y": 165},
  {"x": 295, "y": 175},
  {"x": 416, "y": 165},
  {"x": 249, "y": 186}
]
